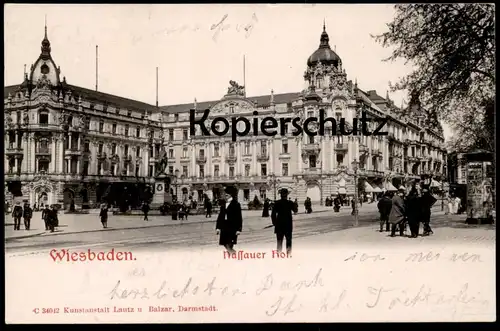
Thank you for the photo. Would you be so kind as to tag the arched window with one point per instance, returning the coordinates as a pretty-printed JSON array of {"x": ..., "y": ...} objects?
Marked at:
[
  {"x": 44, "y": 69},
  {"x": 312, "y": 161}
]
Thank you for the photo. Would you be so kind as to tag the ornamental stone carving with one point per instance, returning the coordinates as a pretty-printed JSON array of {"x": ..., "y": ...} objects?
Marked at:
[{"x": 231, "y": 106}]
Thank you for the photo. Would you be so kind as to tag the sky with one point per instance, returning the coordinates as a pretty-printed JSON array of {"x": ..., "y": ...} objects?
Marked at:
[{"x": 199, "y": 48}]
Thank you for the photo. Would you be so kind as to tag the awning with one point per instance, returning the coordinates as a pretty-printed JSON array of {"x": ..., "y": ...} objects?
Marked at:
[
  {"x": 342, "y": 190},
  {"x": 389, "y": 187},
  {"x": 377, "y": 189},
  {"x": 435, "y": 183},
  {"x": 368, "y": 188}
]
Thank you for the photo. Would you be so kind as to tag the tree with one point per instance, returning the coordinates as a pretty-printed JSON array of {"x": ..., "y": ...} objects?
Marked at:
[{"x": 452, "y": 48}]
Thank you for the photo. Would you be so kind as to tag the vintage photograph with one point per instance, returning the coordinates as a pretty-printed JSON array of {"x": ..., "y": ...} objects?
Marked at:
[{"x": 170, "y": 128}]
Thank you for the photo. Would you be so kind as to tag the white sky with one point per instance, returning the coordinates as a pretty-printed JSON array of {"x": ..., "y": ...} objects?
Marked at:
[{"x": 193, "y": 60}]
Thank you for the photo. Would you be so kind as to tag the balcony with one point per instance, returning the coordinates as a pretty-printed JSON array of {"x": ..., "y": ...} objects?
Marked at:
[
  {"x": 43, "y": 151},
  {"x": 201, "y": 159},
  {"x": 363, "y": 149},
  {"x": 101, "y": 155},
  {"x": 231, "y": 158},
  {"x": 72, "y": 152},
  {"x": 14, "y": 151},
  {"x": 263, "y": 157},
  {"x": 341, "y": 147},
  {"x": 314, "y": 147}
]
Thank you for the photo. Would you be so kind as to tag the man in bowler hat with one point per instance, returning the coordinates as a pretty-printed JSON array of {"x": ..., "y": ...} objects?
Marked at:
[
  {"x": 230, "y": 220},
  {"x": 282, "y": 220}
]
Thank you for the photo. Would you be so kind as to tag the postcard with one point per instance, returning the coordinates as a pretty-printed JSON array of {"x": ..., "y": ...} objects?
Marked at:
[{"x": 249, "y": 163}]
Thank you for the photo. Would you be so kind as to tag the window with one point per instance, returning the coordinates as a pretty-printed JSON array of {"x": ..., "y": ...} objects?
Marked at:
[
  {"x": 216, "y": 170},
  {"x": 262, "y": 193},
  {"x": 138, "y": 132},
  {"x": 216, "y": 150},
  {"x": 202, "y": 153},
  {"x": 247, "y": 148},
  {"x": 202, "y": 171},
  {"x": 126, "y": 130},
  {"x": 171, "y": 134},
  {"x": 171, "y": 153},
  {"x": 86, "y": 147},
  {"x": 312, "y": 161},
  {"x": 43, "y": 118},
  {"x": 137, "y": 152},
  {"x": 43, "y": 165},
  {"x": 310, "y": 113},
  {"x": 113, "y": 149},
  {"x": 171, "y": 170},
  {"x": 263, "y": 169},
  {"x": 99, "y": 168},
  {"x": 340, "y": 160},
  {"x": 338, "y": 116},
  {"x": 231, "y": 150},
  {"x": 150, "y": 171},
  {"x": 117, "y": 110},
  {"x": 126, "y": 150},
  {"x": 100, "y": 148},
  {"x": 185, "y": 171},
  {"x": 176, "y": 117},
  {"x": 185, "y": 152},
  {"x": 263, "y": 148},
  {"x": 114, "y": 128},
  {"x": 129, "y": 113},
  {"x": 137, "y": 170},
  {"x": 247, "y": 170},
  {"x": 185, "y": 134},
  {"x": 246, "y": 194},
  {"x": 284, "y": 147},
  {"x": 101, "y": 126},
  {"x": 311, "y": 139},
  {"x": 231, "y": 109},
  {"x": 284, "y": 169},
  {"x": 231, "y": 171}
]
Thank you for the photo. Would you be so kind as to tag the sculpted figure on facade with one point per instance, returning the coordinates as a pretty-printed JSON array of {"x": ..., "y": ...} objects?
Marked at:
[{"x": 235, "y": 88}]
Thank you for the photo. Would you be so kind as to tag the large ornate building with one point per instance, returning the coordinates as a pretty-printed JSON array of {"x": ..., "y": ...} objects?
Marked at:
[{"x": 66, "y": 142}]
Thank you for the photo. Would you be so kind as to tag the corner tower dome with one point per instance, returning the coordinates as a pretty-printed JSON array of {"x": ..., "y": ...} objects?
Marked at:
[
  {"x": 45, "y": 67},
  {"x": 324, "y": 54}
]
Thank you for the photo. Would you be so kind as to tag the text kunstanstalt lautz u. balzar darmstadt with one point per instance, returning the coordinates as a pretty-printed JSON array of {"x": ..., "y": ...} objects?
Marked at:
[{"x": 270, "y": 126}]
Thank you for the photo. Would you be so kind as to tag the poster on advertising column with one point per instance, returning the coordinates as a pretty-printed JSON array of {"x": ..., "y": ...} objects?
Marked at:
[{"x": 477, "y": 189}]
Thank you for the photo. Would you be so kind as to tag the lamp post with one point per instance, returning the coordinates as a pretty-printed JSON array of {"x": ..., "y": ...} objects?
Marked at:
[
  {"x": 355, "y": 169},
  {"x": 320, "y": 183},
  {"x": 273, "y": 182}
]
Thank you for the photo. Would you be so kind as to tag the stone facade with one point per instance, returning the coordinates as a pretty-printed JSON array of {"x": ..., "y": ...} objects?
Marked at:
[{"x": 62, "y": 140}]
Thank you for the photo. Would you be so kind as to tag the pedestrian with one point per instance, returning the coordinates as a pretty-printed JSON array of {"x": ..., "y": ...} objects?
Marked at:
[
  {"x": 265, "y": 208},
  {"x": 208, "y": 207},
  {"x": 384, "y": 207},
  {"x": 230, "y": 220},
  {"x": 397, "y": 215},
  {"x": 46, "y": 217},
  {"x": 27, "y": 215},
  {"x": 296, "y": 206},
  {"x": 336, "y": 204},
  {"x": 283, "y": 221},
  {"x": 353, "y": 206},
  {"x": 145, "y": 210},
  {"x": 428, "y": 200},
  {"x": 308, "y": 205},
  {"x": 53, "y": 218},
  {"x": 413, "y": 211},
  {"x": 17, "y": 214},
  {"x": 104, "y": 215},
  {"x": 457, "y": 205}
]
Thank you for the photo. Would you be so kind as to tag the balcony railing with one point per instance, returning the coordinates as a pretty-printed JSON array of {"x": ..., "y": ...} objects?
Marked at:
[
  {"x": 262, "y": 157},
  {"x": 201, "y": 159},
  {"x": 14, "y": 150},
  {"x": 311, "y": 147},
  {"x": 231, "y": 158},
  {"x": 43, "y": 151},
  {"x": 341, "y": 147}
]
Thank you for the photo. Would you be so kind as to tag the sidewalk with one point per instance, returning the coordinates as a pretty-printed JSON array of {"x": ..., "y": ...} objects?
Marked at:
[{"x": 85, "y": 223}]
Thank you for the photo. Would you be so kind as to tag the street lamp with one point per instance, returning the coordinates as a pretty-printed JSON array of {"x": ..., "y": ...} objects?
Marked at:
[
  {"x": 273, "y": 182},
  {"x": 320, "y": 183},
  {"x": 355, "y": 169}
]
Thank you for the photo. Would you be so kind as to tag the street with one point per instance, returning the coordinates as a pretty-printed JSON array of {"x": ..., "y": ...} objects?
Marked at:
[{"x": 324, "y": 226}]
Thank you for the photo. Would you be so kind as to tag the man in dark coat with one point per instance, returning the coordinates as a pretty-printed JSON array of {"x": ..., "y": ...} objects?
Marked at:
[
  {"x": 17, "y": 214},
  {"x": 282, "y": 221},
  {"x": 413, "y": 211},
  {"x": 27, "y": 215},
  {"x": 145, "y": 210},
  {"x": 208, "y": 207},
  {"x": 46, "y": 217},
  {"x": 384, "y": 207},
  {"x": 427, "y": 202},
  {"x": 397, "y": 215},
  {"x": 53, "y": 218},
  {"x": 104, "y": 216},
  {"x": 230, "y": 221}
]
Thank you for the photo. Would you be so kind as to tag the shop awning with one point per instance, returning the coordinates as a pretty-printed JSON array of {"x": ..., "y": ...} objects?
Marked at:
[
  {"x": 377, "y": 189},
  {"x": 368, "y": 188},
  {"x": 435, "y": 183},
  {"x": 389, "y": 187},
  {"x": 342, "y": 190}
]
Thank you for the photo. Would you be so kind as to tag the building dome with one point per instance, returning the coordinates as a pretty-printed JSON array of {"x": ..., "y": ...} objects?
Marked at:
[{"x": 324, "y": 53}]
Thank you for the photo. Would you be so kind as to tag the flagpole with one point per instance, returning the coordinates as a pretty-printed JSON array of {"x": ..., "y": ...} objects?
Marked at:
[{"x": 244, "y": 78}]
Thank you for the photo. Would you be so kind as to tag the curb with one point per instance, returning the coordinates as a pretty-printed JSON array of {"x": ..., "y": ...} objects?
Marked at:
[{"x": 26, "y": 236}]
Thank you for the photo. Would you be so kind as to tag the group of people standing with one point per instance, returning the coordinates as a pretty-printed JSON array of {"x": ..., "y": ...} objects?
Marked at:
[
  {"x": 49, "y": 216},
  {"x": 230, "y": 220},
  {"x": 399, "y": 210}
]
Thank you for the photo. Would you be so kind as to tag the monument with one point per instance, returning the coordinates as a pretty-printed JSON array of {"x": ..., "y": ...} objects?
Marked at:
[{"x": 161, "y": 192}]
